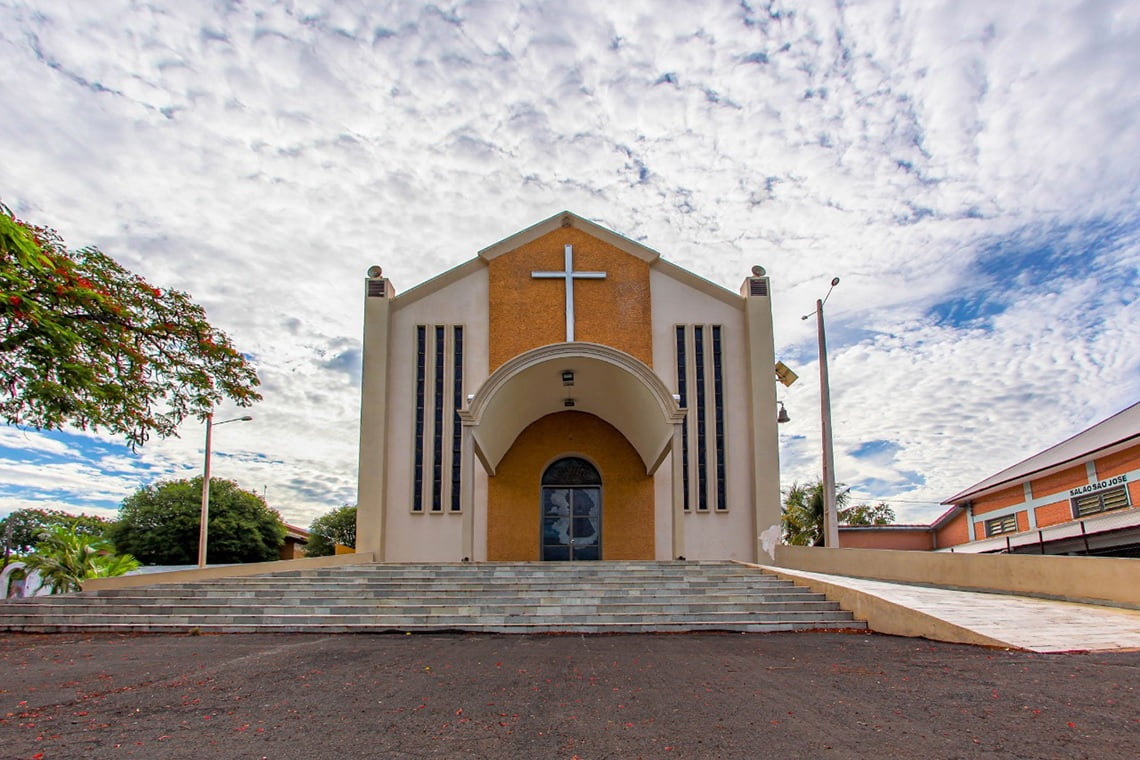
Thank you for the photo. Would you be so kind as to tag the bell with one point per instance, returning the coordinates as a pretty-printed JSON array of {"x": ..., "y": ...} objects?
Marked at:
[{"x": 783, "y": 415}]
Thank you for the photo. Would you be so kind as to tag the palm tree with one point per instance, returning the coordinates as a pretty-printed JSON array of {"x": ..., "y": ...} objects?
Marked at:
[
  {"x": 65, "y": 558},
  {"x": 803, "y": 512}
]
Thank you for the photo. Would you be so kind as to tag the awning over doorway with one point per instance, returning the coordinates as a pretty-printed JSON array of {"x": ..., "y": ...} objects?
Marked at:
[{"x": 607, "y": 383}]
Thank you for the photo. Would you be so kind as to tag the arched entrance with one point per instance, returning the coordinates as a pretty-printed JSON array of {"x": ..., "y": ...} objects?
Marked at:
[{"x": 571, "y": 511}]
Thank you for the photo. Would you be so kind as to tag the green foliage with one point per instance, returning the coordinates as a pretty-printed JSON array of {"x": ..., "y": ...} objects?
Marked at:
[
  {"x": 85, "y": 342},
  {"x": 802, "y": 520},
  {"x": 65, "y": 558},
  {"x": 331, "y": 528},
  {"x": 803, "y": 512},
  {"x": 22, "y": 530},
  {"x": 867, "y": 514},
  {"x": 159, "y": 524}
]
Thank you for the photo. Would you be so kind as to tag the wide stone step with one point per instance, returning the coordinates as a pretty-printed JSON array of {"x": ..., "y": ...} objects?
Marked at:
[
  {"x": 471, "y": 607},
  {"x": 509, "y": 628},
  {"x": 301, "y": 599},
  {"x": 405, "y": 590},
  {"x": 586, "y": 597},
  {"x": 444, "y": 619}
]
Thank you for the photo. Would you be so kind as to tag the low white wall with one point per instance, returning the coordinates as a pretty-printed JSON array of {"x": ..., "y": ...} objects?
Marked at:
[{"x": 227, "y": 571}]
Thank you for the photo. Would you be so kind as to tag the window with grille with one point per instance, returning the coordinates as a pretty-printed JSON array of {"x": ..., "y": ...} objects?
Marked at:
[
  {"x": 437, "y": 458},
  {"x": 1000, "y": 525},
  {"x": 700, "y": 385},
  {"x": 1101, "y": 501}
]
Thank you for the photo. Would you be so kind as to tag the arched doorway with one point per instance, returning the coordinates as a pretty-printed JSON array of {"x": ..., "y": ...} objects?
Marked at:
[{"x": 571, "y": 511}]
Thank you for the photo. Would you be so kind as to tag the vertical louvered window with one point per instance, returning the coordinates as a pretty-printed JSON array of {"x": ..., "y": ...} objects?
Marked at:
[
  {"x": 456, "y": 426},
  {"x": 701, "y": 403},
  {"x": 683, "y": 392},
  {"x": 700, "y": 385},
  {"x": 438, "y": 431},
  {"x": 718, "y": 418},
  {"x": 421, "y": 378}
]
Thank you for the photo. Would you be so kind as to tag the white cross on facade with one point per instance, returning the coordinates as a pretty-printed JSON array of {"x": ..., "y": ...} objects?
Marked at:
[{"x": 569, "y": 275}]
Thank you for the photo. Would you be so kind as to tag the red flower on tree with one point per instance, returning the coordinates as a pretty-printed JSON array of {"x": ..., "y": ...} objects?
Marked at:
[{"x": 98, "y": 349}]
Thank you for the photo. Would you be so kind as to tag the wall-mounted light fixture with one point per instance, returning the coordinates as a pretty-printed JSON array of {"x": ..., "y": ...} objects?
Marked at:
[
  {"x": 567, "y": 377},
  {"x": 568, "y": 403}
]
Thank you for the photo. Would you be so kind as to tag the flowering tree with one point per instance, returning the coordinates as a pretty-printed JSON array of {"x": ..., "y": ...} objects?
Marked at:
[{"x": 83, "y": 341}]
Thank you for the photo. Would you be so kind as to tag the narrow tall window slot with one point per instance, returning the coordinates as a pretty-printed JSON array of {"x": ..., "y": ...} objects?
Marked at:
[
  {"x": 437, "y": 457},
  {"x": 700, "y": 368},
  {"x": 683, "y": 392},
  {"x": 457, "y": 404},
  {"x": 421, "y": 379}
]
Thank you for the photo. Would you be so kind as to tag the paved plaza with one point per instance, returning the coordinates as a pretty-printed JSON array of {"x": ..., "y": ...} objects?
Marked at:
[{"x": 807, "y": 695}]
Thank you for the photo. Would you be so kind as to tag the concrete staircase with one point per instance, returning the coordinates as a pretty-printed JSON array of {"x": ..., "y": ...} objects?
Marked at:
[{"x": 585, "y": 597}]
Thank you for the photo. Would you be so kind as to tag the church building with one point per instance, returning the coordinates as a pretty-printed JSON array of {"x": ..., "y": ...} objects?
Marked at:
[{"x": 568, "y": 395}]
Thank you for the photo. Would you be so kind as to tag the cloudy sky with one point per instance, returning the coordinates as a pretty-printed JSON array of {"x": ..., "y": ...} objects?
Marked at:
[{"x": 971, "y": 170}]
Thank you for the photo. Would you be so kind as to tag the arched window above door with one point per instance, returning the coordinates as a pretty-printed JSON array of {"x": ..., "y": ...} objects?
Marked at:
[{"x": 571, "y": 471}]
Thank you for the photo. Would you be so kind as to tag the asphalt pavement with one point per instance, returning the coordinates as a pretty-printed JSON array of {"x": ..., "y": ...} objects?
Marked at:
[{"x": 809, "y": 695}]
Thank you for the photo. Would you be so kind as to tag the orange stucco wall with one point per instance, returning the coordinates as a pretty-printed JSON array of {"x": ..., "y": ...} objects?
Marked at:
[
  {"x": 955, "y": 531},
  {"x": 919, "y": 539},
  {"x": 1003, "y": 498},
  {"x": 526, "y": 313},
  {"x": 513, "y": 494},
  {"x": 1060, "y": 482},
  {"x": 1118, "y": 463}
]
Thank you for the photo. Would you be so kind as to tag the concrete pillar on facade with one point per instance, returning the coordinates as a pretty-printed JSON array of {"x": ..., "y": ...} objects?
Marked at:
[
  {"x": 762, "y": 395},
  {"x": 371, "y": 478}
]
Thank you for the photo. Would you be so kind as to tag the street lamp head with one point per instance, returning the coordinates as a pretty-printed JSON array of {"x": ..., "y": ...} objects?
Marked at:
[
  {"x": 247, "y": 418},
  {"x": 834, "y": 281}
]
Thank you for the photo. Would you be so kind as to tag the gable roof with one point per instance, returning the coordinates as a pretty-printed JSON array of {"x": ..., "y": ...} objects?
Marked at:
[
  {"x": 568, "y": 219},
  {"x": 1121, "y": 428}
]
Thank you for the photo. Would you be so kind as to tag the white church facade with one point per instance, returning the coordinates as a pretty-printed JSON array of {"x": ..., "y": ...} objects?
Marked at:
[{"x": 568, "y": 395}]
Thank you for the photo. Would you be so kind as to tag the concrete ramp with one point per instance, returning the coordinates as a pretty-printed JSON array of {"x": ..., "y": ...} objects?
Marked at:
[{"x": 974, "y": 617}]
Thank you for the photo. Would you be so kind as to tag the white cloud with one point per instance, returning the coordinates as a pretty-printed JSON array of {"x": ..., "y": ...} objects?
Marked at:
[{"x": 262, "y": 155}]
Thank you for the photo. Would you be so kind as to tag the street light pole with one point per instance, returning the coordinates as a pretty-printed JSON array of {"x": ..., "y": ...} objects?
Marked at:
[
  {"x": 830, "y": 515},
  {"x": 830, "y": 512},
  {"x": 205, "y": 515}
]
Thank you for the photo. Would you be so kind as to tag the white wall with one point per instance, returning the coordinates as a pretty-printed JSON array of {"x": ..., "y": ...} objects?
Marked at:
[
  {"x": 709, "y": 535},
  {"x": 428, "y": 537}
]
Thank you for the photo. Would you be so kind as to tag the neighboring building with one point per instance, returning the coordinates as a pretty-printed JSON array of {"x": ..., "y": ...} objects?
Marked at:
[
  {"x": 296, "y": 539},
  {"x": 568, "y": 394},
  {"x": 1078, "y": 497}
]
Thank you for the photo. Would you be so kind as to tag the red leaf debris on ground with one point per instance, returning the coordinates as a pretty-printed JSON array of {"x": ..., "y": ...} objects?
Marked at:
[{"x": 693, "y": 696}]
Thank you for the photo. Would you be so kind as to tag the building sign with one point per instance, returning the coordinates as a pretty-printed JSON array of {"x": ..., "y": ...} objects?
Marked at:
[{"x": 1118, "y": 480}]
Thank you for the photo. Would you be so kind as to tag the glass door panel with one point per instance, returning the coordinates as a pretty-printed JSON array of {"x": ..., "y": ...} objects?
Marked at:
[{"x": 571, "y": 523}]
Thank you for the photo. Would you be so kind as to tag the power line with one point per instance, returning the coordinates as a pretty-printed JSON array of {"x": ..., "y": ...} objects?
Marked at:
[{"x": 893, "y": 501}]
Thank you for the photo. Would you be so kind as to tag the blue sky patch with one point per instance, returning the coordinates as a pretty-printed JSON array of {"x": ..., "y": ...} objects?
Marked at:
[
  {"x": 875, "y": 450},
  {"x": 1038, "y": 259}
]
